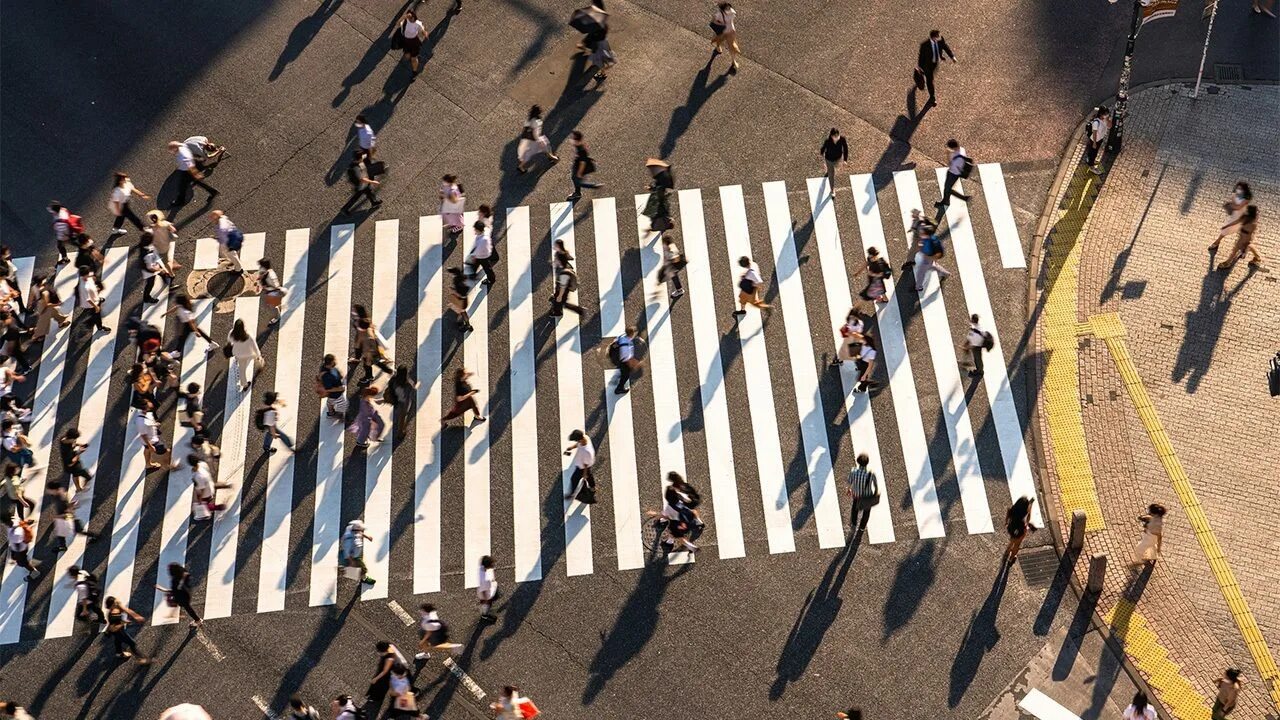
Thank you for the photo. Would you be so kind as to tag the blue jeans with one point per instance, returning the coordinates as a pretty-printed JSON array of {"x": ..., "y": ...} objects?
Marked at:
[{"x": 268, "y": 438}]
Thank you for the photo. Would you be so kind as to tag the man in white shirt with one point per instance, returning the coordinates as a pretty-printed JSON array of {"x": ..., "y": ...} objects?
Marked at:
[
  {"x": 482, "y": 252},
  {"x": 584, "y": 456},
  {"x": 353, "y": 549},
  {"x": 955, "y": 168},
  {"x": 89, "y": 300},
  {"x": 188, "y": 174},
  {"x": 365, "y": 137},
  {"x": 1099, "y": 131},
  {"x": 975, "y": 340},
  {"x": 229, "y": 240},
  {"x": 626, "y": 359}
]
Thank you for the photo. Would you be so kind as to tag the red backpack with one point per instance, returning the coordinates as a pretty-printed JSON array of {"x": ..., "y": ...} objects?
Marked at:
[{"x": 75, "y": 223}]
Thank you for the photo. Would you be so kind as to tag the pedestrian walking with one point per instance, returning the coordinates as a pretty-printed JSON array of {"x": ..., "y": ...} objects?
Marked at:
[
  {"x": 959, "y": 165},
  {"x": 878, "y": 270},
  {"x": 20, "y": 536},
  {"x": 658, "y": 207},
  {"x": 511, "y": 705},
  {"x": 47, "y": 305},
  {"x": 622, "y": 353},
  {"x": 566, "y": 280},
  {"x": 1099, "y": 129},
  {"x": 178, "y": 594},
  {"x": 153, "y": 267},
  {"x": 230, "y": 240},
  {"x": 401, "y": 393},
  {"x": 673, "y": 262},
  {"x": 977, "y": 341},
  {"x": 67, "y": 229},
  {"x": 408, "y": 38},
  {"x": 1245, "y": 241},
  {"x": 928, "y": 251},
  {"x": 344, "y": 708},
  {"x": 1234, "y": 207},
  {"x": 118, "y": 617},
  {"x": 185, "y": 314},
  {"x": 1017, "y": 522},
  {"x": 834, "y": 153},
  {"x": 243, "y": 347},
  {"x": 368, "y": 425},
  {"x": 433, "y": 633},
  {"x": 582, "y": 483},
  {"x": 851, "y": 337},
  {"x": 88, "y": 595},
  {"x": 453, "y": 203},
  {"x": 88, "y": 255},
  {"x": 483, "y": 255},
  {"x": 163, "y": 235},
  {"x": 404, "y": 703},
  {"x": 353, "y": 551},
  {"x": 270, "y": 289},
  {"x": 330, "y": 385},
  {"x": 486, "y": 589},
  {"x": 864, "y": 492},
  {"x": 62, "y": 507},
  {"x": 371, "y": 350},
  {"x": 121, "y": 193},
  {"x": 864, "y": 359},
  {"x": 749, "y": 284},
  {"x": 380, "y": 683},
  {"x": 1148, "y": 548},
  {"x": 362, "y": 183},
  {"x": 299, "y": 710},
  {"x": 601, "y": 54},
  {"x": 460, "y": 284},
  {"x": 144, "y": 422},
  {"x": 932, "y": 54},
  {"x": 89, "y": 300},
  {"x": 366, "y": 138},
  {"x": 464, "y": 397},
  {"x": 69, "y": 450},
  {"x": 9, "y": 283},
  {"x": 192, "y": 413},
  {"x": 681, "y": 500},
  {"x": 189, "y": 173},
  {"x": 204, "y": 497},
  {"x": 1140, "y": 708},
  {"x": 13, "y": 340},
  {"x": 583, "y": 165},
  {"x": 267, "y": 419},
  {"x": 1228, "y": 691},
  {"x": 726, "y": 31},
  {"x": 532, "y": 141}
]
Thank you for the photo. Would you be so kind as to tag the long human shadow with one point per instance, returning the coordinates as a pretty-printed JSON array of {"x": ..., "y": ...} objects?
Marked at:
[
  {"x": 302, "y": 35},
  {"x": 1112, "y": 286},
  {"x": 46, "y": 691},
  {"x": 682, "y": 117},
  {"x": 376, "y": 51},
  {"x": 449, "y": 688},
  {"x": 911, "y": 581},
  {"x": 894, "y": 156},
  {"x": 817, "y": 615},
  {"x": 633, "y": 628},
  {"x": 979, "y": 638},
  {"x": 548, "y": 27},
  {"x": 1083, "y": 620},
  {"x": 1057, "y": 590},
  {"x": 1110, "y": 665},
  {"x": 1204, "y": 326},
  {"x": 132, "y": 697},
  {"x": 326, "y": 630}
]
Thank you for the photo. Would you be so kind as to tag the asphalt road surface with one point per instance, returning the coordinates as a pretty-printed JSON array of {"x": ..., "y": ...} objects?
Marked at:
[{"x": 778, "y": 616}]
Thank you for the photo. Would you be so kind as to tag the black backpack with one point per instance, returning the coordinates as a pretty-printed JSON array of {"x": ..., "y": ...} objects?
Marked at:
[
  {"x": 93, "y": 591},
  {"x": 988, "y": 340},
  {"x": 259, "y": 418},
  {"x": 967, "y": 168},
  {"x": 615, "y": 353}
]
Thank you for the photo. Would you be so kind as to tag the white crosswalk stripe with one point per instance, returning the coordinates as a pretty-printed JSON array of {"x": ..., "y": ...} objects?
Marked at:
[{"x": 759, "y": 492}]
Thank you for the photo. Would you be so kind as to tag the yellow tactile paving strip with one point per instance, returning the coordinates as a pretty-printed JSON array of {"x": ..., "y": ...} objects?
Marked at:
[
  {"x": 1163, "y": 675},
  {"x": 1061, "y": 392},
  {"x": 1110, "y": 329}
]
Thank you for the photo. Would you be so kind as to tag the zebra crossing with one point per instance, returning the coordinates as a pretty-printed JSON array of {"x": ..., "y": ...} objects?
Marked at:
[{"x": 733, "y": 489}]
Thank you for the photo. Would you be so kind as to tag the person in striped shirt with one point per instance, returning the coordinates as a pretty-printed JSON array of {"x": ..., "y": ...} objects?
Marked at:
[{"x": 864, "y": 491}]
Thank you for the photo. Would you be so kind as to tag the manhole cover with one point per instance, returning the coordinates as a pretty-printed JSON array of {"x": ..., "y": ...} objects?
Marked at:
[
  {"x": 222, "y": 286},
  {"x": 1039, "y": 565},
  {"x": 1227, "y": 73}
]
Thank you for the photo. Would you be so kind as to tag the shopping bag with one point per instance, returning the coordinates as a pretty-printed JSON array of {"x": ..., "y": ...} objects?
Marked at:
[{"x": 527, "y": 709}]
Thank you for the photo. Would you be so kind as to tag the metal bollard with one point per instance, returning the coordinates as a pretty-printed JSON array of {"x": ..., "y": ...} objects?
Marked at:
[
  {"x": 1075, "y": 541},
  {"x": 1097, "y": 572}
]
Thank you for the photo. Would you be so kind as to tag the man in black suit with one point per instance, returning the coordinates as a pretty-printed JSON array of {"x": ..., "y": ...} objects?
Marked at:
[{"x": 932, "y": 52}]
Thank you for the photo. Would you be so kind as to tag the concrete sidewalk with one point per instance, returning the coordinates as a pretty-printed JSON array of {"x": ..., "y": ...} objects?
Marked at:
[{"x": 1152, "y": 389}]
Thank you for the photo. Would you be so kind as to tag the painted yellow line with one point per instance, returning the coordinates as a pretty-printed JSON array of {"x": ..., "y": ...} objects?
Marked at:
[
  {"x": 1061, "y": 389},
  {"x": 1109, "y": 327},
  {"x": 1164, "y": 676}
]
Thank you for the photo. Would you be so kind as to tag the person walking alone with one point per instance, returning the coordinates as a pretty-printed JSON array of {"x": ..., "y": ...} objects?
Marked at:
[
  {"x": 1017, "y": 522},
  {"x": 749, "y": 284},
  {"x": 153, "y": 267},
  {"x": 583, "y": 165},
  {"x": 1228, "y": 691},
  {"x": 486, "y": 589},
  {"x": 932, "y": 53},
  {"x": 482, "y": 253},
  {"x": 230, "y": 240},
  {"x": 1099, "y": 131},
  {"x": 864, "y": 492},
  {"x": 726, "y": 40},
  {"x": 411, "y": 33},
  {"x": 243, "y": 347},
  {"x": 672, "y": 263},
  {"x": 401, "y": 393},
  {"x": 178, "y": 594},
  {"x": 20, "y": 536},
  {"x": 368, "y": 425},
  {"x": 464, "y": 397},
  {"x": 1148, "y": 548},
  {"x": 188, "y": 174},
  {"x": 353, "y": 549},
  {"x": 365, "y": 137},
  {"x": 834, "y": 153},
  {"x": 532, "y": 141},
  {"x": 877, "y": 269},
  {"x": 1245, "y": 241},
  {"x": 959, "y": 165},
  {"x": 582, "y": 484},
  {"x": 268, "y": 417},
  {"x": 433, "y": 633},
  {"x": 1140, "y": 708},
  {"x": 89, "y": 300},
  {"x": 622, "y": 351},
  {"x": 380, "y": 683},
  {"x": 330, "y": 385},
  {"x": 1234, "y": 207},
  {"x": 566, "y": 280},
  {"x": 977, "y": 341},
  {"x": 121, "y": 192},
  {"x": 928, "y": 251},
  {"x": 362, "y": 183},
  {"x": 453, "y": 202},
  {"x": 270, "y": 289},
  {"x": 118, "y": 617}
]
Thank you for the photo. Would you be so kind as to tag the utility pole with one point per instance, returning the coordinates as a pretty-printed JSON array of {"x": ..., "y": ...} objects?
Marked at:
[{"x": 1116, "y": 141}]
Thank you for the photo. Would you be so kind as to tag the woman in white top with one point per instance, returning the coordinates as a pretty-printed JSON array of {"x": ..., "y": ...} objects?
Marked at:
[
  {"x": 153, "y": 266},
  {"x": 244, "y": 348},
  {"x": 121, "y": 192},
  {"x": 412, "y": 32},
  {"x": 726, "y": 33},
  {"x": 163, "y": 235},
  {"x": 202, "y": 492},
  {"x": 486, "y": 589},
  {"x": 749, "y": 284},
  {"x": 850, "y": 336},
  {"x": 1140, "y": 708},
  {"x": 269, "y": 288},
  {"x": 507, "y": 706},
  {"x": 532, "y": 141},
  {"x": 452, "y": 203},
  {"x": 1234, "y": 207},
  {"x": 1149, "y": 546}
]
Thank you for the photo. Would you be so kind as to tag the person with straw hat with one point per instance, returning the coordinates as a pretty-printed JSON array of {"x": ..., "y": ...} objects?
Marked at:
[{"x": 658, "y": 208}]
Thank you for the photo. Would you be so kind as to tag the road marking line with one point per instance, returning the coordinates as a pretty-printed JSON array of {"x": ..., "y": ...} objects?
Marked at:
[
  {"x": 475, "y": 348},
  {"x": 902, "y": 386},
  {"x": 577, "y": 517},
  {"x": 755, "y": 364},
  {"x": 217, "y": 654},
  {"x": 726, "y": 521},
  {"x": 857, "y": 406},
  {"x": 426, "y": 425},
  {"x": 262, "y": 705},
  {"x": 526, "y": 521},
  {"x": 464, "y": 678},
  {"x": 1001, "y": 212},
  {"x": 400, "y": 612},
  {"x": 377, "y": 496},
  {"x": 206, "y": 257},
  {"x": 1044, "y": 707}
]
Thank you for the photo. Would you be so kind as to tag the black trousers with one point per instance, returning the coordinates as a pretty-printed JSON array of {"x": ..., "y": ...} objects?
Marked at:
[
  {"x": 1091, "y": 152},
  {"x": 671, "y": 274},
  {"x": 127, "y": 214},
  {"x": 95, "y": 317},
  {"x": 121, "y": 639},
  {"x": 928, "y": 81},
  {"x": 185, "y": 181},
  {"x": 149, "y": 285},
  {"x": 624, "y": 374},
  {"x": 364, "y": 191},
  {"x": 92, "y": 607},
  {"x": 185, "y": 331},
  {"x": 976, "y": 352},
  {"x": 490, "y": 277}
]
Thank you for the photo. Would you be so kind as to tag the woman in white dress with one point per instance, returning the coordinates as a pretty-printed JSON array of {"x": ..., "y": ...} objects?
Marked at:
[
  {"x": 726, "y": 39},
  {"x": 1149, "y": 546},
  {"x": 244, "y": 349},
  {"x": 452, "y": 203},
  {"x": 532, "y": 141}
]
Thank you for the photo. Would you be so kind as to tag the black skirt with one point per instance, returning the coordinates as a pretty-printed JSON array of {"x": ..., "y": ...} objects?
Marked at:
[{"x": 412, "y": 45}]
